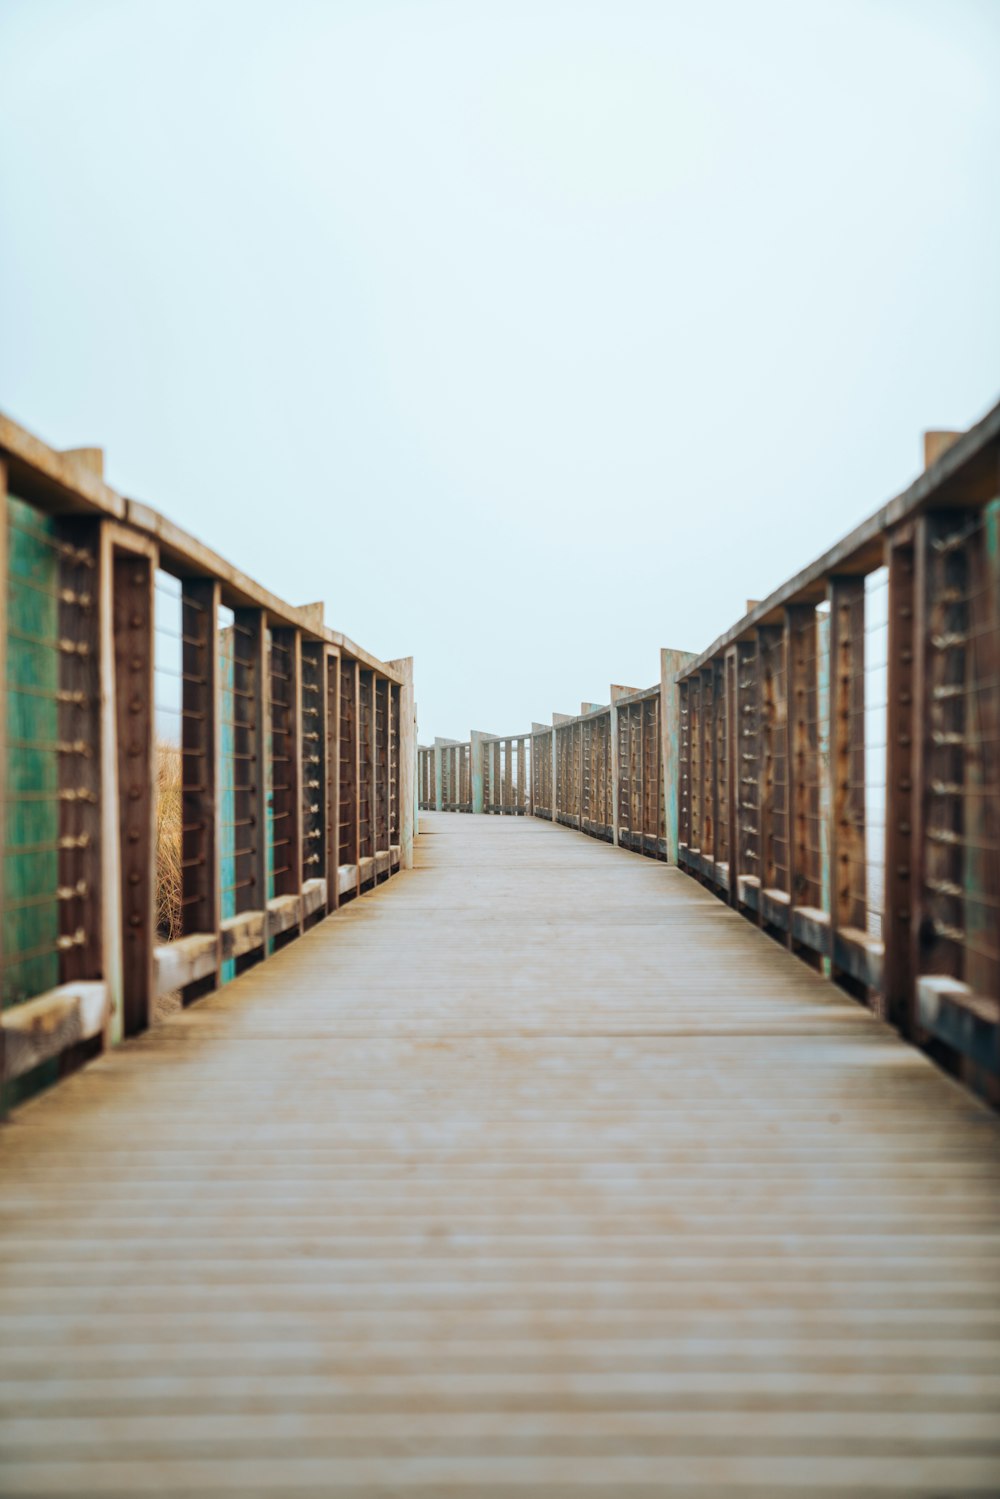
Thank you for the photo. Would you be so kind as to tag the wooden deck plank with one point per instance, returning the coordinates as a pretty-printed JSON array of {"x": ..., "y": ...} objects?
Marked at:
[{"x": 540, "y": 1170}]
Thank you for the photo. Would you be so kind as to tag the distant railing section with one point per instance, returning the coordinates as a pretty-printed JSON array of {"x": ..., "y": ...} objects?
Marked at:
[
  {"x": 831, "y": 765},
  {"x": 504, "y": 762},
  {"x": 193, "y": 771},
  {"x": 486, "y": 773}
]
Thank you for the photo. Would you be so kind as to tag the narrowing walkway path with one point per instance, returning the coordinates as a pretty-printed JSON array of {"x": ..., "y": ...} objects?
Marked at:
[{"x": 539, "y": 1171}]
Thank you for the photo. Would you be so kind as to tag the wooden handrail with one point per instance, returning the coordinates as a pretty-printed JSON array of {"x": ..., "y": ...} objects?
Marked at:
[{"x": 286, "y": 735}]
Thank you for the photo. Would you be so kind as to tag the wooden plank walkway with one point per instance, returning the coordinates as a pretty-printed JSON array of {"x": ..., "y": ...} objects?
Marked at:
[{"x": 539, "y": 1171}]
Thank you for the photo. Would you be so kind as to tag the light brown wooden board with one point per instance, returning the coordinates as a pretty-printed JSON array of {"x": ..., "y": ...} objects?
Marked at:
[{"x": 542, "y": 1171}]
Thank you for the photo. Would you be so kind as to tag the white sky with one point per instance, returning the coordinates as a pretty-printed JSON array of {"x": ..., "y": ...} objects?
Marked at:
[{"x": 531, "y": 337}]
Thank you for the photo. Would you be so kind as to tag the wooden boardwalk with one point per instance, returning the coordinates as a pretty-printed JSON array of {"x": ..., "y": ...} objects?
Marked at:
[{"x": 538, "y": 1171}]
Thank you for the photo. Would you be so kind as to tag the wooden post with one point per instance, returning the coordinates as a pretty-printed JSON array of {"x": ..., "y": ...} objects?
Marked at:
[
  {"x": 901, "y": 892},
  {"x": 708, "y": 795},
  {"x": 802, "y": 758},
  {"x": 683, "y": 770},
  {"x": 555, "y": 771},
  {"x": 695, "y": 737},
  {"x": 407, "y": 761},
  {"x": 733, "y": 770},
  {"x": 201, "y": 755},
  {"x": 438, "y": 777},
  {"x": 772, "y": 729},
  {"x": 132, "y": 604},
  {"x": 315, "y": 756},
  {"x": 250, "y": 746},
  {"x": 284, "y": 704},
  {"x": 615, "y": 768},
  {"x": 476, "y": 738},
  {"x": 330, "y": 678},
  {"x": 847, "y": 757}
]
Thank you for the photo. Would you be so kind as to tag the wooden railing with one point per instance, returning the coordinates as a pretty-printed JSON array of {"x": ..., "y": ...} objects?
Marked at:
[
  {"x": 193, "y": 770},
  {"x": 831, "y": 765},
  {"x": 486, "y": 773},
  {"x": 840, "y": 779}
]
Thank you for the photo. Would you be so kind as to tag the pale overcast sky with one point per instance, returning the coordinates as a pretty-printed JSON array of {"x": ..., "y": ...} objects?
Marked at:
[{"x": 531, "y": 337}]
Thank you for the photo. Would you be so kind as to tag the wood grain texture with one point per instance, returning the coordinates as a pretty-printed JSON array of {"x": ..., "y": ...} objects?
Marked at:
[{"x": 542, "y": 1172}]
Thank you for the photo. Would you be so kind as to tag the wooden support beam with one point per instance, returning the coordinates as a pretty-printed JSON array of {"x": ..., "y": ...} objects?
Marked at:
[
  {"x": 731, "y": 665},
  {"x": 438, "y": 777},
  {"x": 555, "y": 770},
  {"x": 683, "y": 770},
  {"x": 331, "y": 681},
  {"x": 476, "y": 763},
  {"x": 407, "y": 760},
  {"x": 708, "y": 768},
  {"x": 901, "y": 892},
  {"x": 286, "y": 747},
  {"x": 802, "y": 757},
  {"x": 132, "y": 586},
  {"x": 315, "y": 755},
  {"x": 773, "y": 805},
  {"x": 251, "y": 737},
  {"x": 201, "y": 757},
  {"x": 848, "y": 903}
]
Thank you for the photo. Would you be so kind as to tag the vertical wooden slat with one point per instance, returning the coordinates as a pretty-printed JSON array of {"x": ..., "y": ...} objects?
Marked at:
[
  {"x": 768, "y": 637},
  {"x": 707, "y": 840},
  {"x": 86, "y": 677},
  {"x": 201, "y": 751},
  {"x": 407, "y": 762},
  {"x": 900, "y": 889},
  {"x": 132, "y": 586},
  {"x": 847, "y": 757},
  {"x": 476, "y": 748},
  {"x": 438, "y": 778},
  {"x": 314, "y": 736},
  {"x": 555, "y": 773},
  {"x": 695, "y": 831},
  {"x": 332, "y": 703},
  {"x": 366, "y": 763},
  {"x": 670, "y": 664},
  {"x": 614, "y": 731},
  {"x": 733, "y": 770},
  {"x": 801, "y": 754},
  {"x": 251, "y": 745}
]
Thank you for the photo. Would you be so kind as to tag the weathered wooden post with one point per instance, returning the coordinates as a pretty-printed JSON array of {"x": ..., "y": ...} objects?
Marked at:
[
  {"x": 615, "y": 692},
  {"x": 802, "y": 759},
  {"x": 332, "y": 711},
  {"x": 408, "y": 810},
  {"x": 201, "y": 757},
  {"x": 132, "y": 579},
  {"x": 670, "y": 664},
  {"x": 901, "y": 889},
  {"x": 285, "y": 705},
  {"x": 770, "y": 644},
  {"x": 847, "y": 760},
  {"x": 477, "y": 740},
  {"x": 251, "y": 738},
  {"x": 733, "y": 771},
  {"x": 438, "y": 775}
]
